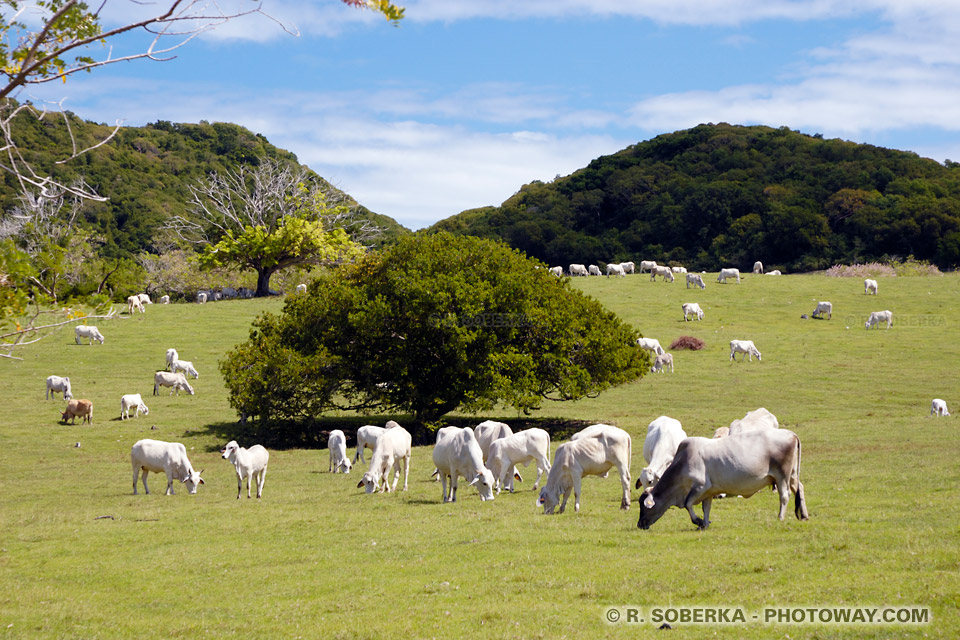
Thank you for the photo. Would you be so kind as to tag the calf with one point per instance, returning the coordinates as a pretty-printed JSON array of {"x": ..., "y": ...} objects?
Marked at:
[
  {"x": 337, "y": 445},
  {"x": 520, "y": 448},
  {"x": 590, "y": 453},
  {"x": 132, "y": 401},
  {"x": 661, "y": 362},
  {"x": 664, "y": 435},
  {"x": 705, "y": 468},
  {"x": 392, "y": 451},
  {"x": 78, "y": 408},
  {"x": 248, "y": 463},
  {"x": 169, "y": 457},
  {"x": 939, "y": 407},
  {"x": 57, "y": 384},
  {"x": 457, "y": 453}
]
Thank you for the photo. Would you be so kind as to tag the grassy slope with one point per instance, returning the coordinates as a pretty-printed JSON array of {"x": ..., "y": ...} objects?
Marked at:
[{"x": 317, "y": 558}]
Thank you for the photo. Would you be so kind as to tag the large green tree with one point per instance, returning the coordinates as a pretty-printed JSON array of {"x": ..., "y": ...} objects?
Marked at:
[{"x": 432, "y": 324}]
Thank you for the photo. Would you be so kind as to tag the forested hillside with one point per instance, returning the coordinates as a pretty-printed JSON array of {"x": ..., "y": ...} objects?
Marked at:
[
  {"x": 724, "y": 194},
  {"x": 145, "y": 172}
]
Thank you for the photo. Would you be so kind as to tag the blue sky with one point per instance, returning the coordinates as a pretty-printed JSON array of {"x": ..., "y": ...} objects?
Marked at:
[{"x": 464, "y": 102}]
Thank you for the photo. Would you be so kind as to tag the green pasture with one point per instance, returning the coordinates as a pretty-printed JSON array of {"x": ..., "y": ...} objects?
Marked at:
[{"x": 317, "y": 558}]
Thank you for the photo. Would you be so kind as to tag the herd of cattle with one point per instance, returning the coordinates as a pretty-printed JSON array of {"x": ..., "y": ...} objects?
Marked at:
[{"x": 740, "y": 460}]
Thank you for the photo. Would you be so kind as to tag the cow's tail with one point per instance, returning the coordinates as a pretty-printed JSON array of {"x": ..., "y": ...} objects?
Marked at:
[{"x": 800, "y": 503}]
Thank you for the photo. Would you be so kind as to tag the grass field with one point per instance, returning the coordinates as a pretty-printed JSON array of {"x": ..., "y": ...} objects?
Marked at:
[{"x": 317, "y": 558}]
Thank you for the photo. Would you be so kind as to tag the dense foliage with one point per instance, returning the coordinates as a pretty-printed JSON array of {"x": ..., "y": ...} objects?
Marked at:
[
  {"x": 729, "y": 195},
  {"x": 431, "y": 324}
]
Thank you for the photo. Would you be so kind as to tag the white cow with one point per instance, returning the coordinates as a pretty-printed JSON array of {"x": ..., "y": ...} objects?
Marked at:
[
  {"x": 721, "y": 432},
  {"x": 651, "y": 344},
  {"x": 691, "y": 308},
  {"x": 758, "y": 267},
  {"x": 337, "y": 445},
  {"x": 661, "y": 362},
  {"x": 746, "y": 347},
  {"x": 557, "y": 271},
  {"x": 176, "y": 382},
  {"x": 678, "y": 269},
  {"x": 186, "y": 367},
  {"x": 614, "y": 269},
  {"x": 647, "y": 265},
  {"x": 754, "y": 421},
  {"x": 366, "y": 439},
  {"x": 457, "y": 453},
  {"x": 202, "y": 297},
  {"x": 133, "y": 303},
  {"x": 249, "y": 463},
  {"x": 392, "y": 451},
  {"x": 742, "y": 465},
  {"x": 301, "y": 288},
  {"x": 578, "y": 270},
  {"x": 488, "y": 431},
  {"x": 728, "y": 273},
  {"x": 664, "y": 435},
  {"x": 695, "y": 279},
  {"x": 877, "y": 317},
  {"x": 520, "y": 448},
  {"x": 89, "y": 332},
  {"x": 145, "y": 299},
  {"x": 775, "y": 272},
  {"x": 589, "y": 453},
  {"x": 628, "y": 267},
  {"x": 869, "y": 285},
  {"x": 132, "y": 401},
  {"x": 823, "y": 307},
  {"x": 172, "y": 355},
  {"x": 939, "y": 407},
  {"x": 164, "y": 299},
  {"x": 665, "y": 272},
  {"x": 594, "y": 270},
  {"x": 168, "y": 457},
  {"x": 56, "y": 384}
]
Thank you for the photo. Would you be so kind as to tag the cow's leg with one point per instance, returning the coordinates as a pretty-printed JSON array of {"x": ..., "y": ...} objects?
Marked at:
[
  {"x": 625, "y": 485},
  {"x": 783, "y": 488},
  {"x": 566, "y": 496},
  {"x": 576, "y": 493},
  {"x": 694, "y": 498},
  {"x": 249, "y": 482},
  {"x": 330, "y": 466},
  {"x": 706, "y": 512},
  {"x": 260, "y": 481},
  {"x": 170, "y": 490},
  {"x": 443, "y": 486},
  {"x": 453, "y": 487},
  {"x": 800, "y": 505},
  {"x": 136, "y": 473},
  {"x": 543, "y": 466},
  {"x": 406, "y": 471}
]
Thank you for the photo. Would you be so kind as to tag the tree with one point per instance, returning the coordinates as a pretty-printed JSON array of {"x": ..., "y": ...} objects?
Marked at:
[
  {"x": 432, "y": 324},
  {"x": 267, "y": 218}
]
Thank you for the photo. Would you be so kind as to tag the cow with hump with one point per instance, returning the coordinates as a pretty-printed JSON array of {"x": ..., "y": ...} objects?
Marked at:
[{"x": 743, "y": 464}]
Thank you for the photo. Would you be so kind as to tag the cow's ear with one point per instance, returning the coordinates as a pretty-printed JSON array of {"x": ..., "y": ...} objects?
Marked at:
[
  {"x": 648, "y": 501},
  {"x": 202, "y": 482},
  {"x": 516, "y": 476},
  {"x": 475, "y": 480},
  {"x": 360, "y": 485}
]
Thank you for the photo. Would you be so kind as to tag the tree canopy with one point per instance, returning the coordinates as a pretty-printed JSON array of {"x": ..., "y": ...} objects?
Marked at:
[
  {"x": 729, "y": 195},
  {"x": 431, "y": 324}
]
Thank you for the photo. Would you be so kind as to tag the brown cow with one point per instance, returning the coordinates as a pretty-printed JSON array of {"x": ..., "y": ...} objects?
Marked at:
[{"x": 81, "y": 408}]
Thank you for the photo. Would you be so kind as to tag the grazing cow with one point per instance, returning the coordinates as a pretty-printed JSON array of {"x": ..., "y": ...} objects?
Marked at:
[
  {"x": 728, "y": 273},
  {"x": 145, "y": 299},
  {"x": 176, "y": 382},
  {"x": 132, "y": 401},
  {"x": 651, "y": 344},
  {"x": 823, "y": 308},
  {"x": 392, "y": 451},
  {"x": 695, "y": 279},
  {"x": 578, "y": 270},
  {"x": 202, "y": 297},
  {"x": 133, "y": 303},
  {"x": 164, "y": 299},
  {"x": 705, "y": 468},
  {"x": 249, "y": 463},
  {"x": 691, "y": 308},
  {"x": 520, "y": 448},
  {"x": 754, "y": 421},
  {"x": 56, "y": 384},
  {"x": 557, "y": 271},
  {"x": 721, "y": 432},
  {"x": 78, "y": 408},
  {"x": 301, "y": 288},
  {"x": 172, "y": 356},
  {"x": 664, "y": 435},
  {"x": 758, "y": 267},
  {"x": 746, "y": 347},
  {"x": 366, "y": 439},
  {"x": 775, "y": 272},
  {"x": 628, "y": 267},
  {"x": 186, "y": 367},
  {"x": 90, "y": 332},
  {"x": 589, "y": 453},
  {"x": 488, "y": 431},
  {"x": 337, "y": 445},
  {"x": 169, "y": 457},
  {"x": 939, "y": 408},
  {"x": 665, "y": 272},
  {"x": 594, "y": 270},
  {"x": 615, "y": 269},
  {"x": 877, "y": 317},
  {"x": 678, "y": 269},
  {"x": 647, "y": 265},
  {"x": 869, "y": 285},
  {"x": 457, "y": 453},
  {"x": 661, "y": 362}
]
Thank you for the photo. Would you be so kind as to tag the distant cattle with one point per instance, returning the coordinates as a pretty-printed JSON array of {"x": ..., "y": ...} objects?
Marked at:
[
  {"x": 557, "y": 271},
  {"x": 578, "y": 270},
  {"x": 823, "y": 308},
  {"x": 594, "y": 270},
  {"x": 88, "y": 332},
  {"x": 758, "y": 267},
  {"x": 879, "y": 316},
  {"x": 696, "y": 280},
  {"x": 651, "y": 344},
  {"x": 614, "y": 269},
  {"x": 691, "y": 308},
  {"x": 647, "y": 265},
  {"x": 168, "y": 457},
  {"x": 58, "y": 384},
  {"x": 728, "y": 273},
  {"x": 661, "y": 362},
  {"x": 939, "y": 407},
  {"x": 869, "y": 286},
  {"x": 746, "y": 347}
]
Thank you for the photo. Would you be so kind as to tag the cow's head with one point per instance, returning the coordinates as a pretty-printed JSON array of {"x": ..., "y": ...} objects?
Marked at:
[
  {"x": 193, "y": 480},
  {"x": 484, "y": 484},
  {"x": 368, "y": 483},
  {"x": 346, "y": 465},
  {"x": 548, "y": 500},
  {"x": 648, "y": 478},
  {"x": 757, "y": 353},
  {"x": 650, "y": 509},
  {"x": 229, "y": 450}
]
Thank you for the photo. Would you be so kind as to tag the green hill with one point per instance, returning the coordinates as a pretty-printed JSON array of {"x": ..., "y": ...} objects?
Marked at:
[
  {"x": 144, "y": 171},
  {"x": 729, "y": 195}
]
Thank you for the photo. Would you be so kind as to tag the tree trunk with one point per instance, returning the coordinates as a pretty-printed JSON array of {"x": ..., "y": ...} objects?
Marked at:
[{"x": 263, "y": 282}]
